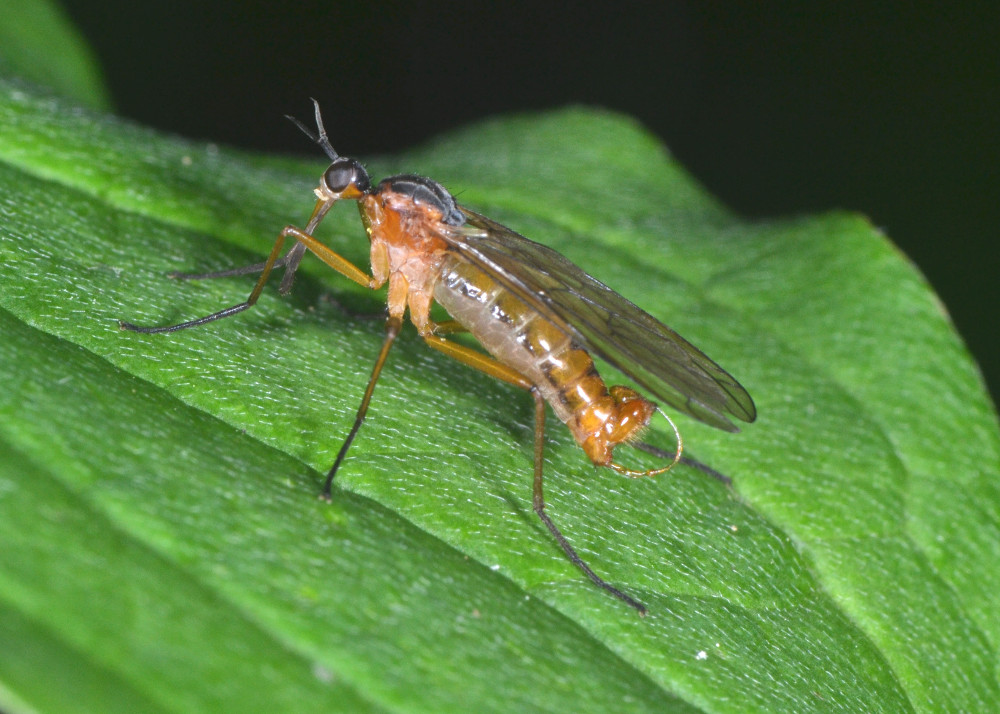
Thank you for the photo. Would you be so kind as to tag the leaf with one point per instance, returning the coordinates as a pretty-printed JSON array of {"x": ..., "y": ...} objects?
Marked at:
[
  {"x": 163, "y": 547},
  {"x": 38, "y": 43}
]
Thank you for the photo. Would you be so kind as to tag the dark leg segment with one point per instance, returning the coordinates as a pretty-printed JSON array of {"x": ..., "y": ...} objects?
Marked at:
[
  {"x": 228, "y": 273},
  {"x": 539, "y": 506},
  {"x": 290, "y": 261},
  {"x": 392, "y": 328}
]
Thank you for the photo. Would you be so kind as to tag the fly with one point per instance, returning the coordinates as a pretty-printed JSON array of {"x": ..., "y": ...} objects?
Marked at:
[{"x": 538, "y": 317}]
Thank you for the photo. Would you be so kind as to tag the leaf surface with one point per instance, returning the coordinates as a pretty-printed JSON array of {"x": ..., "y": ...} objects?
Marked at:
[{"x": 162, "y": 538}]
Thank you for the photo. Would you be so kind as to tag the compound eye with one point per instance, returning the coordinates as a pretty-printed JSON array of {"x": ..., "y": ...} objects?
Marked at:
[{"x": 341, "y": 174}]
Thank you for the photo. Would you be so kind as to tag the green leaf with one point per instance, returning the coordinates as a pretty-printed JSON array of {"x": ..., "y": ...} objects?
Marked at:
[
  {"x": 163, "y": 547},
  {"x": 38, "y": 43}
]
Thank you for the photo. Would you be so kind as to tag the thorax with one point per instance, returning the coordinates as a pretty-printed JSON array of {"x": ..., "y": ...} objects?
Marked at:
[{"x": 405, "y": 221}]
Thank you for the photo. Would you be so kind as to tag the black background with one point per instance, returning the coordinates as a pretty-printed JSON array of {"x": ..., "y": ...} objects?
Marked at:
[{"x": 777, "y": 108}]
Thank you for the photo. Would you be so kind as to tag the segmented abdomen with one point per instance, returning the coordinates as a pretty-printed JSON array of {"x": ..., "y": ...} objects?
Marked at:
[{"x": 520, "y": 338}]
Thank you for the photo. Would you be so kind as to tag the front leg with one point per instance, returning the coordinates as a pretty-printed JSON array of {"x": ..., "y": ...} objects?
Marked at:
[{"x": 334, "y": 260}]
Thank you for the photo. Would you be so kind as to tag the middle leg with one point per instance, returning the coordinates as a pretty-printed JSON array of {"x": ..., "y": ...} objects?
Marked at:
[{"x": 492, "y": 367}]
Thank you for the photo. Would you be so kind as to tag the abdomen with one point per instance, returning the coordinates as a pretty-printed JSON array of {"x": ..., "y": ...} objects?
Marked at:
[{"x": 562, "y": 371}]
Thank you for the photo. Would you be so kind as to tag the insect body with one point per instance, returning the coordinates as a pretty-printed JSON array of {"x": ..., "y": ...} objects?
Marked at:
[{"x": 537, "y": 315}]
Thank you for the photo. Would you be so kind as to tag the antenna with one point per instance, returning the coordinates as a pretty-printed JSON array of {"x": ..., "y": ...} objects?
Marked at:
[{"x": 320, "y": 139}]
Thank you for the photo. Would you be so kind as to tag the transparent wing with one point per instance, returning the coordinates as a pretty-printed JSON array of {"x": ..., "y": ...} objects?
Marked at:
[{"x": 672, "y": 369}]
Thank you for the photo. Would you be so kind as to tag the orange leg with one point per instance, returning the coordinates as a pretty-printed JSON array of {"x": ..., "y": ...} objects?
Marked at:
[
  {"x": 478, "y": 360},
  {"x": 488, "y": 365},
  {"x": 448, "y": 327},
  {"x": 291, "y": 262}
]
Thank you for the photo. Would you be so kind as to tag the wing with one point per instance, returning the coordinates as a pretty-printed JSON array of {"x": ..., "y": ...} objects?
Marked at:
[{"x": 603, "y": 322}]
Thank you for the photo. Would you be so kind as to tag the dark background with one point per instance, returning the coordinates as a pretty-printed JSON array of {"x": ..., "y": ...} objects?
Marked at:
[{"x": 777, "y": 108}]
